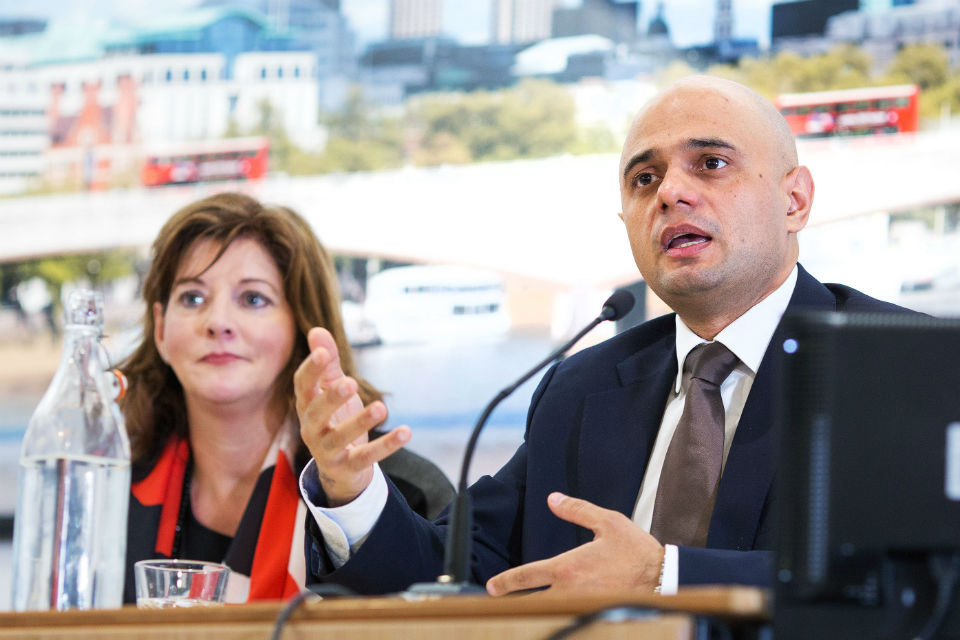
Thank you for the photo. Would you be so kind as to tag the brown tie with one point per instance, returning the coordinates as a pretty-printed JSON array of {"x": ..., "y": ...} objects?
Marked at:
[{"x": 691, "y": 469}]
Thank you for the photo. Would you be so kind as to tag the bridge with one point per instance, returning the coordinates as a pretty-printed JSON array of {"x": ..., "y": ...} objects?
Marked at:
[{"x": 552, "y": 220}]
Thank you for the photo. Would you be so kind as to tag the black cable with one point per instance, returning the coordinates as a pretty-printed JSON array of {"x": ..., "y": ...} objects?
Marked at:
[
  {"x": 613, "y": 613},
  {"x": 946, "y": 571},
  {"x": 287, "y": 611},
  {"x": 320, "y": 589}
]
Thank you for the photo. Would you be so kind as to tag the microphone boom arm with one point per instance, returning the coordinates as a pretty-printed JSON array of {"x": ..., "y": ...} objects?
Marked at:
[{"x": 458, "y": 553}]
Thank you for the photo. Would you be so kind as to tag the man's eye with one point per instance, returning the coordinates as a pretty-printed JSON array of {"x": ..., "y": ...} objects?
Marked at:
[
  {"x": 255, "y": 299},
  {"x": 191, "y": 299},
  {"x": 714, "y": 163},
  {"x": 644, "y": 179}
]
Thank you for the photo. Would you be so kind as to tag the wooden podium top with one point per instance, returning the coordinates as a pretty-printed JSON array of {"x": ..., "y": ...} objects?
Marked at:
[{"x": 464, "y": 617}]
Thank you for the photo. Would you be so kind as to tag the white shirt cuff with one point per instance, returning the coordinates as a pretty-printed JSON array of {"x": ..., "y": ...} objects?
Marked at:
[
  {"x": 344, "y": 528},
  {"x": 671, "y": 570}
]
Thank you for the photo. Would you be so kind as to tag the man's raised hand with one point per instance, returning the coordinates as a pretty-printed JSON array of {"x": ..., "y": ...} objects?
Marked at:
[{"x": 334, "y": 423}]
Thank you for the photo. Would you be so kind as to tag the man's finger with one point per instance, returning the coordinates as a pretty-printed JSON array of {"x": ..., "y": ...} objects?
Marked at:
[
  {"x": 580, "y": 512},
  {"x": 339, "y": 436},
  {"x": 324, "y": 354},
  {"x": 529, "y": 576},
  {"x": 376, "y": 450},
  {"x": 322, "y": 409},
  {"x": 313, "y": 375}
]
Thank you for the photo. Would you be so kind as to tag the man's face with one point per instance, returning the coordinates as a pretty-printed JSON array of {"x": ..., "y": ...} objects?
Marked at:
[{"x": 705, "y": 201}]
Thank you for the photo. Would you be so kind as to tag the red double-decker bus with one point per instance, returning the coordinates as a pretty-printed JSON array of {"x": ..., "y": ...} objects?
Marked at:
[
  {"x": 205, "y": 161},
  {"x": 851, "y": 112}
]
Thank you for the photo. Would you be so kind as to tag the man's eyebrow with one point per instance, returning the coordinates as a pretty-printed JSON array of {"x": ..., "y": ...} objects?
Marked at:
[
  {"x": 709, "y": 143},
  {"x": 643, "y": 156}
]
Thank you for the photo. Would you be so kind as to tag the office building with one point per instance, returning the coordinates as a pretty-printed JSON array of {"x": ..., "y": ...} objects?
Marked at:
[
  {"x": 614, "y": 20},
  {"x": 882, "y": 33},
  {"x": 883, "y": 5},
  {"x": 23, "y": 125},
  {"x": 415, "y": 18},
  {"x": 313, "y": 25},
  {"x": 723, "y": 21},
  {"x": 800, "y": 26},
  {"x": 522, "y": 21}
]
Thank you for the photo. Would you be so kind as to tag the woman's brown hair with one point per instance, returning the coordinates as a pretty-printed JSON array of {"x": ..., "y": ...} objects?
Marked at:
[{"x": 154, "y": 407}]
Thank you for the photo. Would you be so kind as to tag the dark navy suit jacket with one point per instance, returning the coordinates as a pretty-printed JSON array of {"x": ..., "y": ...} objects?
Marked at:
[{"x": 590, "y": 430}]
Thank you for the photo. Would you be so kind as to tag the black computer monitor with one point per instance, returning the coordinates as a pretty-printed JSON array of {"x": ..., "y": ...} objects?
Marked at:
[{"x": 869, "y": 477}]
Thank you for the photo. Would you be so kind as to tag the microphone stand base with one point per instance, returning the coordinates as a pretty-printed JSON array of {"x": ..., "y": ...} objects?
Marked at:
[{"x": 444, "y": 586}]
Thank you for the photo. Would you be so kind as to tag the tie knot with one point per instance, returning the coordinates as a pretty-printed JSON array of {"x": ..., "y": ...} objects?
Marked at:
[{"x": 711, "y": 362}]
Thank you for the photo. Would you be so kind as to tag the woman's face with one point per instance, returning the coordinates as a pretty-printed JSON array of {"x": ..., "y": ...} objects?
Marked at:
[{"x": 227, "y": 330}]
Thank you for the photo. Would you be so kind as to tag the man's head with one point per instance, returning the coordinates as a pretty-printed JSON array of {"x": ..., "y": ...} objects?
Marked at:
[{"x": 712, "y": 199}]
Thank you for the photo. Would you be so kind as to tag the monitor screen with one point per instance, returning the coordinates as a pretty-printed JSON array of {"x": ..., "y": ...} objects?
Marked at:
[{"x": 868, "y": 476}]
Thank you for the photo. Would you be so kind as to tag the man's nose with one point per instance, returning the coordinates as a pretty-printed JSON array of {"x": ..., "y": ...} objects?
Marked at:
[{"x": 677, "y": 189}]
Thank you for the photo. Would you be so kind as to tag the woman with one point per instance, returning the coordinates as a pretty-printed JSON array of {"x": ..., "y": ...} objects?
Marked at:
[{"x": 232, "y": 290}]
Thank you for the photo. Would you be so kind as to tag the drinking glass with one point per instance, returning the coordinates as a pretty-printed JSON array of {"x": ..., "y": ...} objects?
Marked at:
[{"x": 162, "y": 584}]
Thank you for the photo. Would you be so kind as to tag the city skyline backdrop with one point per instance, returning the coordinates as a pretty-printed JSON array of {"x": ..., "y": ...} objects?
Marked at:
[{"x": 690, "y": 21}]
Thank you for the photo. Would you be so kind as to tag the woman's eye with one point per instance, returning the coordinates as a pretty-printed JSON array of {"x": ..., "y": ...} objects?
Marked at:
[
  {"x": 715, "y": 163},
  {"x": 255, "y": 299},
  {"x": 191, "y": 298}
]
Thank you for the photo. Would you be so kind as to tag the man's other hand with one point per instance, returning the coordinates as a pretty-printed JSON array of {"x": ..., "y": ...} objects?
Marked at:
[{"x": 621, "y": 556}]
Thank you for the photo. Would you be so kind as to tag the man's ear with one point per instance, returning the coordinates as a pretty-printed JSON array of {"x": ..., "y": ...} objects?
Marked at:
[{"x": 799, "y": 185}]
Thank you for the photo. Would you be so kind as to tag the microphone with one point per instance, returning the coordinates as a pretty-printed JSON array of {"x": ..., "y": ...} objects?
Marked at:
[{"x": 456, "y": 566}]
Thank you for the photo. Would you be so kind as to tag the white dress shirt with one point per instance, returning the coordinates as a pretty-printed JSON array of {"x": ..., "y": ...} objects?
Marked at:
[
  {"x": 344, "y": 528},
  {"x": 747, "y": 337}
]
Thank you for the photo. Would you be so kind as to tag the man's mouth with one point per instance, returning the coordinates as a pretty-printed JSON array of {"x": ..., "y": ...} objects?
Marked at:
[{"x": 686, "y": 240}]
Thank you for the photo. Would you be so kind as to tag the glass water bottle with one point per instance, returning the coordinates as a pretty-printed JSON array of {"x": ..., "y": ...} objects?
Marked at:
[{"x": 70, "y": 528}]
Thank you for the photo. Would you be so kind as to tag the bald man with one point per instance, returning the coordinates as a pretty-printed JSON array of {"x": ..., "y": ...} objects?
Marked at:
[{"x": 713, "y": 198}]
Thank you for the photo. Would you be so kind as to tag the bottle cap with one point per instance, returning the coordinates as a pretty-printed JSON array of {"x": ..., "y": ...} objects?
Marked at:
[{"x": 84, "y": 308}]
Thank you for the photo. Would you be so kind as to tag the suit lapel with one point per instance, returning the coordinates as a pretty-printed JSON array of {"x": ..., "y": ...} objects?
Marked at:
[
  {"x": 748, "y": 475},
  {"x": 619, "y": 426}
]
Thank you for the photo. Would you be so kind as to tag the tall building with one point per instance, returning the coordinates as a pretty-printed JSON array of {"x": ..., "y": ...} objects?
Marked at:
[
  {"x": 23, "y": 125},
  {"x": 614, "y": 20},
  {"x": 723, "y": 21},
  {"x": 882, "y": 33},
  {"x": 522, "y": 21},
  {"x": 318, "y": 25},
  {"x": 883, "y": 5},
  {"x": 415, "y": 18},
  {"x": 806, "y": 17}
]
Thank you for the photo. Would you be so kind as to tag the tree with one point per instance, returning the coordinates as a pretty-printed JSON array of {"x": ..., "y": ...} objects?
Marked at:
[
  {"x": 90, "y": 269},
  {"x": 361, "y": 139},
  {"x": 534, "y": 119},
  {"x": 924, "y": 65},
  {"x": 943, "y": 100}
]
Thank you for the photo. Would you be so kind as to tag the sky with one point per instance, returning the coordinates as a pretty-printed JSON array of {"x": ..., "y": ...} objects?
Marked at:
[{"x": 690, "y": 21}]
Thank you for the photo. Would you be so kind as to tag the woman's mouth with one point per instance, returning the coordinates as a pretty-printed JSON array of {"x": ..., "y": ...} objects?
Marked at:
[{"x": 219, "y": 358}]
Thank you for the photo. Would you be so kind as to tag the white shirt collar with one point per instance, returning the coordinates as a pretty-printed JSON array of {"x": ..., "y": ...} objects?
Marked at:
[{"x": 747, "y": 336}]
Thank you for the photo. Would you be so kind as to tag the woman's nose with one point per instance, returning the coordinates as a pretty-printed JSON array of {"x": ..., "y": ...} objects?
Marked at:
[{"x": 219, "y": 321}]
